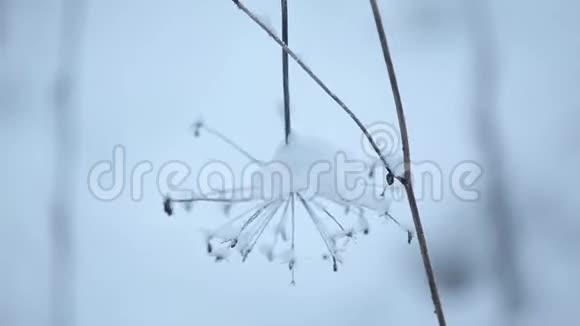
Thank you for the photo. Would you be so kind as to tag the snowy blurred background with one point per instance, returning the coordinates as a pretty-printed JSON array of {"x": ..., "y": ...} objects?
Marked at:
[{"x": 493, "y": 81}]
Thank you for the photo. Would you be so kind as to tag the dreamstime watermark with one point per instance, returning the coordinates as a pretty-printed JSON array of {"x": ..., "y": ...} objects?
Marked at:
[{"x": 348, "y": 178}]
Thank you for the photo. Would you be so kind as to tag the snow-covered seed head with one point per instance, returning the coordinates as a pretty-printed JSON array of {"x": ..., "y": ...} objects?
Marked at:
[{"x": 269, "y": 223}]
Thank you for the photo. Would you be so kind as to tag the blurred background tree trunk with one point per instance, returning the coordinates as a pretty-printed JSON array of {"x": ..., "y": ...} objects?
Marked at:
[
  {"x": 498, "y": 205},
  {"x": 3, "y": 22},
  {"x": 65, "y": 119}
]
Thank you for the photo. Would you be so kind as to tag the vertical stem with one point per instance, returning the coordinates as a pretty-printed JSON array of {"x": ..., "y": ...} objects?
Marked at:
[
  {"x": 407, "y": 164},
  {"x": 285, "y": 81},
  {"x": 63, "y": 271}
]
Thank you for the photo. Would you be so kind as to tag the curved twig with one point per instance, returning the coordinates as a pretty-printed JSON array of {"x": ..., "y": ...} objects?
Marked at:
[{"x": 407, "y": 164}]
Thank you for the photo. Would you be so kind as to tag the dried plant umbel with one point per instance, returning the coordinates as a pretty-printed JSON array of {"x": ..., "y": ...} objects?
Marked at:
[
  {"x": 266, "y": 221},
  {"x": 336, "y": 219}
]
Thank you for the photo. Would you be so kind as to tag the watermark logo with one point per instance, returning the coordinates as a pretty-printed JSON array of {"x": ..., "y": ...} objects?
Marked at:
[{"x": 337, "y": 174}]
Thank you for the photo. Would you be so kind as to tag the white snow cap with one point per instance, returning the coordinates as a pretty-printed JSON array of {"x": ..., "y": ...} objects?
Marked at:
[{"x": 314, "y": 167}]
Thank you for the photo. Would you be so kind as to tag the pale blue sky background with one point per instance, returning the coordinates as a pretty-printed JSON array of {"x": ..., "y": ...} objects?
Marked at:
[{"x": 150, "y": 68}]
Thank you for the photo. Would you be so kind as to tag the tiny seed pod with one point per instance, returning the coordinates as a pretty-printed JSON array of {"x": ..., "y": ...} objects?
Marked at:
[
  {"x": 196, "y": 127},
  {"x": 168, "y": 206},
  {"x": 390, "y": 178}
]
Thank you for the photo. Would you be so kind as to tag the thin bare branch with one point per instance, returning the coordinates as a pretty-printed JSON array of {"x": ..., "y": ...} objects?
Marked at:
[
  {"x": 407, "y": 165},
  {"x": 285, "y": 79}
]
